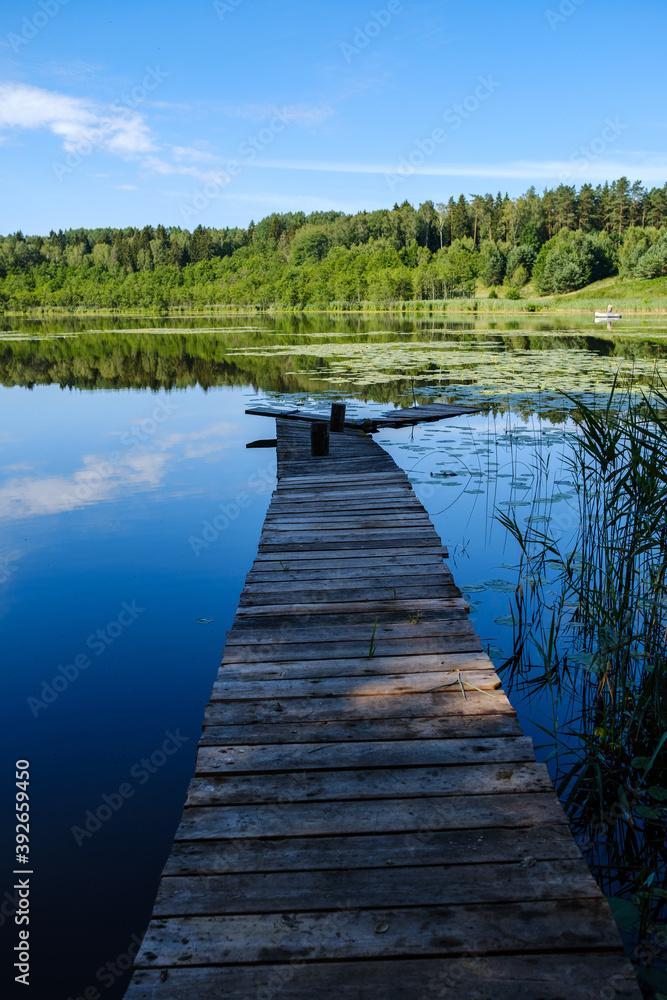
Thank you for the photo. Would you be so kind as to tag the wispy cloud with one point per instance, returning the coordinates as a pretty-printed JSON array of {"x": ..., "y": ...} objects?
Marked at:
[
  {"x": 194, "y": 155},
  {"x": 651, "y": 167},
  {"x": 74, "y": 120},
  {"x": 299, "y": 114},
  {"x": 158, "y": 165}
]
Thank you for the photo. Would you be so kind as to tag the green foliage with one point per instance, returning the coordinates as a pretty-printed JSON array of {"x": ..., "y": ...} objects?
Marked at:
[
  {"x": 294, "y": 260},
  {"x": 522, "y": 256},
  {"x": 571, "y": 260},
  {"x": 494, "y": 263},
  {"x": 653, "y": 263}
]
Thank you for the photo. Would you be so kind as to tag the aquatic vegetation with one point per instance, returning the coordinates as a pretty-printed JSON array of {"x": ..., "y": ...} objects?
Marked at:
[{"x": 590, "y": 634}]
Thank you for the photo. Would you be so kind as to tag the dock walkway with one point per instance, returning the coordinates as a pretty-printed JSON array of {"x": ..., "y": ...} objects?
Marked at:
[{"x": 367, "y": 820}]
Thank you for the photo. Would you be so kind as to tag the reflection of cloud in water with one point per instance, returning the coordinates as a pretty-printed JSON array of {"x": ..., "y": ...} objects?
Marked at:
[
  {"x": 221, "y": 429},
  {"x": 202, "y": 450},
  {"x": 103, "y": 477},
  {"x": 98, "y": 480}
]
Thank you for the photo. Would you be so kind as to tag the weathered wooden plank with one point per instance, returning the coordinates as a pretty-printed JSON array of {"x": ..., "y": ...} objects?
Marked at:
[
  {"x": 372, "y": 526},
  {"x": 286, "y": 548},
  {"x": 310, "y": 632},
  {"x": 371, "y": 577},
  {"x": 377, "y": 685},
  {"x": 353, "y": 666},
  {"x": 438, "y": 885},
  {"x": 340, "y": 556},
  {"x": 390, "y": 610},
  {"x": 319, "y": 595},
  {"x": 357, "y": 507},
  {"x": 353, "y": 706},
  {"x": 473, "y": 975},
  {"x": 298, "y": 616},
  {"x": 328, "y": 539},
  {"x": 408, "y": 753},
  {"x": 332, "y": 570},
  {"x": 354, "y": 730},
  {"x": 400, "y": 815},
  {"x": 367, "y": 784},
  {"x": 396, "y": 475},
  {"x": 469, "y": 847},
  {"x": 344, "y": 933},
  {"x": 385, "y": 646}
]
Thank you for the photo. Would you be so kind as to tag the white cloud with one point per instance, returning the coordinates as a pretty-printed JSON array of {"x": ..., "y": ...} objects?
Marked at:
[
  {"x": 650, "y": 167},
  {"x": 74, "y": 120},
  {"x": 126, "y": 187},
  {"x": 159, "y": 166},
  {"x": 195, "y": 155},
  {"x": 299, "y": 114}
]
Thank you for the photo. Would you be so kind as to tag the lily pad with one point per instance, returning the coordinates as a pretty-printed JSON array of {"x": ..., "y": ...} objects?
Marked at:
[
  {"x": 495, "y": 652},
  {"x": 502, "y": 586},
  {"x": 655, "y": 978},
  {"x": 658, "y": 793},
  {"x": 203, "y": 621},
  {"x": 625, "y": 913},
  {"x": 648, "y": 812},
  {"x": 504, "y": 620}
]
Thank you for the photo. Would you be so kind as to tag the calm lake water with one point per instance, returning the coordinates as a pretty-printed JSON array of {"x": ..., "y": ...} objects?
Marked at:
[{"x": 120, "y": 440}]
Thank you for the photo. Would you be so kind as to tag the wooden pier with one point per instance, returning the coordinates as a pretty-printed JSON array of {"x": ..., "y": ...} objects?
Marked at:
[{"x": 367, "y": 820}]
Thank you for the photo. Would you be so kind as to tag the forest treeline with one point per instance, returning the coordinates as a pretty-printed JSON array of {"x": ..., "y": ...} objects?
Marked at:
[{"x": 556, "y": 242}]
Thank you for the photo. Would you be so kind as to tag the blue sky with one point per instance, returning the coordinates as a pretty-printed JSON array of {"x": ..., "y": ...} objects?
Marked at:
[{"x": 128, "y": 113}]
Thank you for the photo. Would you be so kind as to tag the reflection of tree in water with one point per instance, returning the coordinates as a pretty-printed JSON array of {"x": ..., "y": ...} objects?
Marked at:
[{"x": 373, "y": 358}]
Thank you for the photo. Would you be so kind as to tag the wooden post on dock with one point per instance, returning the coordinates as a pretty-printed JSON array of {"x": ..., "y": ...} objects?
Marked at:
[
  {"x": 319, "y": 438},
  {"x": 337, "y": 421}
]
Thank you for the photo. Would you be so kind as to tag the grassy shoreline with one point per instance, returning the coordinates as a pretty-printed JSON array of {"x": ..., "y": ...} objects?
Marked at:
[
  {"x": 631, "y": 297},
  {"x": 467, "y": 307}
]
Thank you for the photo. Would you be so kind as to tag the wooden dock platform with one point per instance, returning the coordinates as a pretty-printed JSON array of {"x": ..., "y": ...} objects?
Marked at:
[
  {"x": 400, "y": 417},
  {"x": 367, "y": 819}
]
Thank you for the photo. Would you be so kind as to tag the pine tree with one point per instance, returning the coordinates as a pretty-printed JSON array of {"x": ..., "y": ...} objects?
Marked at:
[{"x": 460, "y": 220}]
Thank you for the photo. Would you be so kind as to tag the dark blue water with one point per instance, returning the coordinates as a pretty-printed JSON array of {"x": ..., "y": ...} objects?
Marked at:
[{"x": 104, "y": 503}]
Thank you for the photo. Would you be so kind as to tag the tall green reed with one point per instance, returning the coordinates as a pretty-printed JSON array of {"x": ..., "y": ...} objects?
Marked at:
[{"x": 590, "y": 638}]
